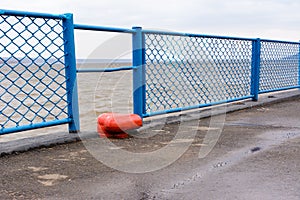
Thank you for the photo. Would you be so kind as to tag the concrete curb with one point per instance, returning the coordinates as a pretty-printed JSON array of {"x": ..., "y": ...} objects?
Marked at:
[{"x": 25, "y": 144}]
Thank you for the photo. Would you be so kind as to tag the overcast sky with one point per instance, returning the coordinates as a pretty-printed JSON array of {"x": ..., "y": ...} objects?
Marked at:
[{"x": 274, "y": 19}]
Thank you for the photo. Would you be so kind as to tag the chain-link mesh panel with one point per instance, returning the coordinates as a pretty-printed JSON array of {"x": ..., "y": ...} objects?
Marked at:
[
  {"x": 189, "y": 71},
  {"x": 279, "y": 66},
  {"x": 32, "y": 73}
]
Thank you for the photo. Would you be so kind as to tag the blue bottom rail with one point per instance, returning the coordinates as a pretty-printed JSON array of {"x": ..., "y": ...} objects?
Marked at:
[
  {"x": 195, "y": 106},
  {"x": 35, "y": 126}
]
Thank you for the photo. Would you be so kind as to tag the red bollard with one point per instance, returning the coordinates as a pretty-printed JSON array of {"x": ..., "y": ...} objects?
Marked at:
[{"x": 114, "y": 125}]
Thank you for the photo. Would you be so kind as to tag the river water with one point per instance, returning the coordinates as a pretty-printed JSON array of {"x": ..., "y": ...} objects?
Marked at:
[
  {"x": 97, "y": 93},
  {"x": 103, "y": 92}
]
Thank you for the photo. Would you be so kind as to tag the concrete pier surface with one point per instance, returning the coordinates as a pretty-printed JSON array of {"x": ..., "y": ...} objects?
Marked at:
[{"x": 251, "y": 153}]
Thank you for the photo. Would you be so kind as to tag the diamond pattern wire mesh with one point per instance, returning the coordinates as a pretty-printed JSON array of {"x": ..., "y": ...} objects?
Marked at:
[
  {"x": 32, "y": 74},
  {"x": 184, "y": 71},
  {"x": 279, "y": 65}
]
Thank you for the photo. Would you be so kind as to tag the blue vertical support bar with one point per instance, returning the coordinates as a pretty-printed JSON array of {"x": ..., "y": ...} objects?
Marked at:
[
  {"x": 299, "y": 66},
  {"x": 255, "y": 70},
  {"x": 70, "y": 63},
  {"x": 138, "y": 56}
]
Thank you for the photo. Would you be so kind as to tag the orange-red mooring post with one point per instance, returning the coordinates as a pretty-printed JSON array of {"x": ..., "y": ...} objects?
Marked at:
[{"x": 115, "y": 125}]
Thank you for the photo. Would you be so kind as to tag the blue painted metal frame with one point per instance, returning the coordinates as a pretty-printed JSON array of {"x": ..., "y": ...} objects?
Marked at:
[
  {"x": 194, "y": 107},
  {"x": 254, "y": 72},
  {"x": 106, "y": 29},
  {"x": 139, "y": 75},
  {"x": 255, "y": 69},
  {"x": 193, "y": 35},
  {"x": 70, "y": 72},
  {"x": 279, "y": 89},
  {"x": 102, "y": 28},
  {"x": 282, "y": 88},
  {"x": 279, "y": 41},
  {"x": 35, "y": 126},
  {"x": 31, "y": 14},
  {"x": 70, "y": 63},
  {"x": 138, "y": 68},
  {"x": 299, "y": 66},
  {"x": 138, "y": 55}
]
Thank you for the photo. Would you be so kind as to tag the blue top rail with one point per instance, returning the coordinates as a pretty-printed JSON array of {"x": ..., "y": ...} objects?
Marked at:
[
  {"x": 32, "y": 14},
  {"x": 103, "y": 28},
  {"x": 211, "y": 36},
  {"x": 279, "y": 41},
  {"x": 193, "y": 35}
]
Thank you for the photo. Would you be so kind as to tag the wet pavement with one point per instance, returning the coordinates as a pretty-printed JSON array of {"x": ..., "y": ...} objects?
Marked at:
[{"x": 248, "y": 154}]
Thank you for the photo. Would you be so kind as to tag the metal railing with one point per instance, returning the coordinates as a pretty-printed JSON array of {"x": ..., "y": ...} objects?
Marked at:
[
  {"x": 185, "y": 71},
  {"x": 171, "y": 71},
  {"x": 37, "y": 71},
  {"x": 279, "y": 66}
]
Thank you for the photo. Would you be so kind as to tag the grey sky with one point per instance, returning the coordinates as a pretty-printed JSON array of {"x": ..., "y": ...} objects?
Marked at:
[{"x": 274, "y": 19}]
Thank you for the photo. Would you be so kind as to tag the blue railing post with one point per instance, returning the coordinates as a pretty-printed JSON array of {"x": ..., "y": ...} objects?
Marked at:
[
  {"x": 138, "y": 56},
  {"x": 255, "y": 70},
  {"x": 70, "y": 63},
  {"x": 299, "y": 66}
]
